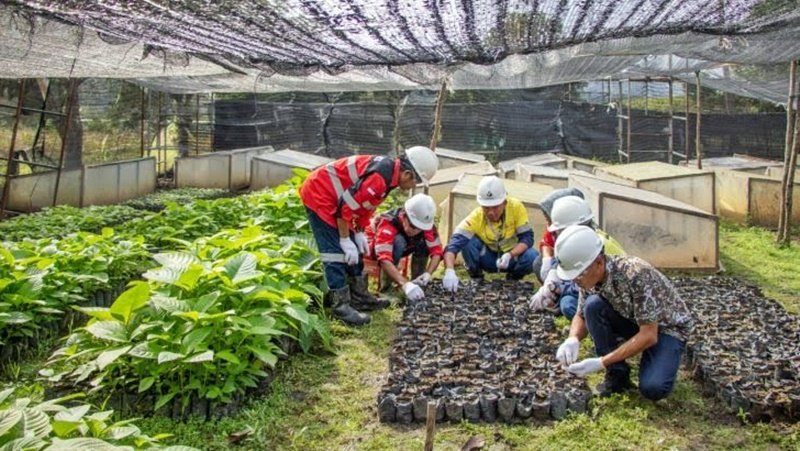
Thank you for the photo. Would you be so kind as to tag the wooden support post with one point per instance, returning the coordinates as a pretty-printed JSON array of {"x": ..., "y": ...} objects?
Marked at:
[
  {"x": 197, "y": 124},
  {"x": 686, "y": 122},
  {"x": 437, "y": 115},
  {"x": 437, "y": 120},
  {"x": 697, "y": 143},
  {"x": 789, "y": 159},
  {"x": 628, "y": 139},
  {"x": 620, "y": 124},
  {"x": 430, "y": 425},
  {"x": 671, "y": 125}
]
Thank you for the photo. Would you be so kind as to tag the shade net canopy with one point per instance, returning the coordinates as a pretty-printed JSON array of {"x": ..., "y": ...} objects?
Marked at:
[{"x": 375, "y": 45}]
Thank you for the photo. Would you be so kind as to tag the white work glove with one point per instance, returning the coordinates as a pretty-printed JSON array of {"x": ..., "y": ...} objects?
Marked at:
[
  {"x": 567, "y": 353},
  {"x": 547, "y": 265},
  {"x": 450, "y": 281},
  {"x": 413, "y": 291},
  {"x": 350, "y": 251},
  {"x": 423, "y": 279},
  {"x": 545, "y": 297},
  {"x": 504, "y": 261},
  {"x": 361, "y": 243},
  {"x": 586, "y": 366}
]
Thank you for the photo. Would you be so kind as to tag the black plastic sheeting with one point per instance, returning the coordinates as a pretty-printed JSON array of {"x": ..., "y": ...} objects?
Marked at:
[
  {"x": 500, "y": 130},
  {"x": 300, "y": 37}
]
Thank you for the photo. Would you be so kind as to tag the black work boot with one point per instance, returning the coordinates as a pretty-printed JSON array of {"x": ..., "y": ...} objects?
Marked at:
[
  {"x": 617, "y": 380},
  {"x": 361, "y": 298},
  {"x": 340, "y": 298},
  {"x": 476, "y": 274}
]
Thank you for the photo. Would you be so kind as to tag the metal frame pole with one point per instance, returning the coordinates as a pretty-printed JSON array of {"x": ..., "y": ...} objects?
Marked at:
[{"x": 11, "y": 166}]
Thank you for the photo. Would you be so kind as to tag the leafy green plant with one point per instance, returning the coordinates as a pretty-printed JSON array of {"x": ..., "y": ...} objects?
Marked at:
[
  {"x": 159, "y": 200},
  {"x": 208, "y": 323},
  {"x": 51, "y": 425},
  {"x": 62, "y": 220},
  {"x": 40, "y": 280}
]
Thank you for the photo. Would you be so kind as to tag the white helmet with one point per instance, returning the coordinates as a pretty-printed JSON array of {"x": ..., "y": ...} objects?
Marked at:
[
  {"x": 576, "y": 248},
  {"x": 421, "y": 210},
  {"x": 491, "y": 191},
  {"x": 567, "y": 211},
  {"x": 424, "y": 161}
]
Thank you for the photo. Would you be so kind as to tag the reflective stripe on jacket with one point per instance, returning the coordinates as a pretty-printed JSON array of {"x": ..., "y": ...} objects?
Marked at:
[
  {"x": 383, "y": 230},
  {"x": 499, "y": 237},
  {"x": 328, "y": 190}
]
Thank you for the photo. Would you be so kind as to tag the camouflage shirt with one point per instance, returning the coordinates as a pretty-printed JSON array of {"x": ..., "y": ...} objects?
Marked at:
[{"x": 642, "y": 294}]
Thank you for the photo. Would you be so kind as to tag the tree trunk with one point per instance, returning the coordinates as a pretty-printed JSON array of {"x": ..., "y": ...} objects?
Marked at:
[
  {"x": 72, "y": 135},
  {"x": 184, "y": 122}
]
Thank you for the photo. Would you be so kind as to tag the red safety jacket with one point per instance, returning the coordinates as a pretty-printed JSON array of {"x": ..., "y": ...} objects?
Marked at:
[
  {"x": 383, "y": 230},
  {"x": 350, "y": 188}
]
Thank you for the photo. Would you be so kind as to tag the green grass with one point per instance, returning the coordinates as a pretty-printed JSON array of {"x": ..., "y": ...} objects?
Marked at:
[
  {"x": 328, "y": 402},
  {"x": 751, "y": 253}
]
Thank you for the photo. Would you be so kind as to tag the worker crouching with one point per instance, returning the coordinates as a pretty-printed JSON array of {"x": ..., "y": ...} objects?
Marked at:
[{"x": 405, "y": 231}]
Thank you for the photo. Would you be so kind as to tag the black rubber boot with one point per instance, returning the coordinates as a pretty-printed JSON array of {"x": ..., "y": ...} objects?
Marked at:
[
  {"x": 617, "y": 380},
  {"x": 476, "y": 274},
  {"x": 361, "y": 298},
  {"x": 340, "y": 299}
]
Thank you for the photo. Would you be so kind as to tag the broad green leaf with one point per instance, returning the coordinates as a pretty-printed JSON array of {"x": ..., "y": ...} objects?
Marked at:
[
  {"x": 81, "y": 443},
  {"x": 178, "y": 260},
  {"x": 64, "y": 428},
  {"x": 101, "y": 313},
  {"x": 295, "y": 295},
  {"x": 16, "y": 318},
  {"x": 37, "y": 423},
  {"x": 164, "y": 275},
  {"x": 188, "y": 280},
  {"x": 142, "y": 328},
  {"x": 7, "y": 256},
  {"x": 108, "y": 330},
  {"x": 228, "y": 356},
  {"x": 119, "y": 433},
  {"x": 130, "y": 300},
  {"x": 267, "y": 295},
  {"x": 101, "y": 416},
  {"x": 166, "y": 356},
  {"x": 168, "y": 304},
  {"x": 73, "y": 414},
  {"x": 179, "y": 448},
  {"x": 194, "y": 338},
  {"x": 108, "y": 357},
  {"x": 162, "y": 400},
  {"x": 142, "y": 351},
  {"x": 241, "y": 267},
  {"x": 9, "y": 419},
  {"x": 205, "y": 302},
  {"x": 298, "y": 314},
  {"x": 206, "y": 356},
  {"x": 146, "y": 383},
  {"x": 264, "y": 355},
  {"x": 24, "y": 443},
  {"x": 193, "y": 316},
  {"x": 5, "y": 394}
]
